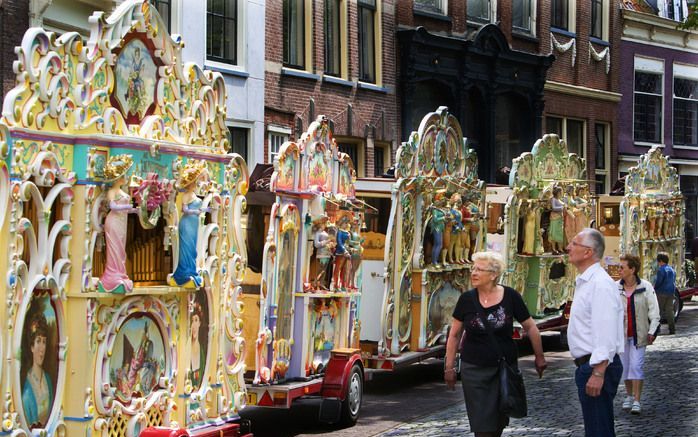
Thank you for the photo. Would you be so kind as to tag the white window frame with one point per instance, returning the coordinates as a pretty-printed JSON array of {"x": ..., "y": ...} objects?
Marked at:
[
  {"x": 605, "y": 25},
  {"x": 443, "y": 10},
  {"x": 278, "y": 131},
  {"x": 656, "y": 66},
  {"x": 533, "y": 13},
  {"x": 241, "y": 36},
  {"x": 682, "y": 71},
  {"x": 564, "y": 131},
  {"x": 571, "y": 17},
  {"x": 492, "y": 14}
]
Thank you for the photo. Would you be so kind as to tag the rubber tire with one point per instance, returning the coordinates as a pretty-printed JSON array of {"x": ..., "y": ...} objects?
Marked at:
[
  {"x": 678, "y": 305},
  {"x": 351, "y": 405}
]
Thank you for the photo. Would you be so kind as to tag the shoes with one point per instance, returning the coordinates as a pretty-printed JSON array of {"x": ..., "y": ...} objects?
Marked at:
[
  {"x": 637, "y": 408},
  {"x": 628, "y": 403}
]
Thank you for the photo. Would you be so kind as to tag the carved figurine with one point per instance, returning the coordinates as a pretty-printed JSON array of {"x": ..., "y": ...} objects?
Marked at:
[
  {"x": 467, "y": 218},
  {"x": 341, "y": 256},
  {"x": 186, "y": 274},
  {"x": 582, "y": 210},
  {"x": 448, "y": 231},
  {"x": 660, "y": 214},
  {"x": 530, "y": 234},
  {"x": 570, "y": 225},
  {"x": 555, "y": 232},
  {"x": 323, "y": 250},
  {"x": 356, "y": 250},
  {"x": 651, "y": 222},
  {"x": 115, "y": 279},
  {"x": 474, "y": 226},
  {"x": 437, "y": 224},
  {"x": 455, "y": 247},
  {"x": 667, "y": 220}
]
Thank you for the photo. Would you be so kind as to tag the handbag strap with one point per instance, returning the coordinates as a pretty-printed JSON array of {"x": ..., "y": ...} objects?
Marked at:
[{"x": 488, "y": 327}]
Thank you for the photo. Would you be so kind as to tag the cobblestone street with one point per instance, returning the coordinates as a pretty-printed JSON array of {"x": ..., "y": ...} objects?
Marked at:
[{"x": 669, "y": 406}]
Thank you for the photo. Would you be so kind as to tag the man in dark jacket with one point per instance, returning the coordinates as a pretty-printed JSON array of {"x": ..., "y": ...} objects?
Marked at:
[{"x": 664, "y": 286}]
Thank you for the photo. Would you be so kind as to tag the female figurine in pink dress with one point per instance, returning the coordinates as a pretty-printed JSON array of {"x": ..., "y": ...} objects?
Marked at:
[{"x": 115, "y": 279}]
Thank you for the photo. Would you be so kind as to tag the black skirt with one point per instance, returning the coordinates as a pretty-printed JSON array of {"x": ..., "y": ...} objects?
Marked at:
[{"x": 481, "y": 391}]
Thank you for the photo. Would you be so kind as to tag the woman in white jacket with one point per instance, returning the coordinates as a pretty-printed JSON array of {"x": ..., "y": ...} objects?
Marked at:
[{"x": 641, "y": 328}]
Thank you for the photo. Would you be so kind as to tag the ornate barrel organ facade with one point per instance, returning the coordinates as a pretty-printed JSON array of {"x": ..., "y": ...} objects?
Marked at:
[
  {"x": 121, "y": 215},
  {"x": 550, "y": 204},
  {"x": 437, "y": 197},
  {"x": 653, "y": 215},
  {"x": 311, "y": 272}
]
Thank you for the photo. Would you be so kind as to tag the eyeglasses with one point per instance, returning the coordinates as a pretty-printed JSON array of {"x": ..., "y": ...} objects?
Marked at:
[
  {"x": 574, "y": 243},
  {"x": 479, "y": 270}
]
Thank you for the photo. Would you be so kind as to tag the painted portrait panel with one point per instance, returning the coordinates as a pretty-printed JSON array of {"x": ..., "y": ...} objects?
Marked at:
[
  {"x": 441, "y": 306},
  {"x": 198, "y": 338},
  {"x": 138, "y": 358},
  {"x": 39, "y": 366},
  {"x": 136, "y": 75},
  {"x": 284, "y": 285}
]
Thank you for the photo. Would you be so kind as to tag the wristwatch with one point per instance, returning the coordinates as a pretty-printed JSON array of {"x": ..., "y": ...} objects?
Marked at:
[{"x": 599, "y": 374}]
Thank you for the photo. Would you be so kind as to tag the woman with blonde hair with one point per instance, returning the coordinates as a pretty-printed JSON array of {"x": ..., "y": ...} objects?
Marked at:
[{"x": 486, "y": 313}]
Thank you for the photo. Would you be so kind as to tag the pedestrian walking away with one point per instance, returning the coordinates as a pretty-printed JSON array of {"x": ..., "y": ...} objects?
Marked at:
[
  {"x": 665, "y": 286},
  {"x": 497, "y": 306},
  {"x": 595, "y": 333},
  {"x": 641, "y": 328}
]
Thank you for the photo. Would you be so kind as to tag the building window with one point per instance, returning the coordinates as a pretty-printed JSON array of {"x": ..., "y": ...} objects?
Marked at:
[
  {"x": 523, "y": 13},
  {"x": 164, "y": 8},
  {"x": 647, "y": 118},
  {"x": 479, "y": 10},
  {"x": 294, "y": 33},
  {"x": 353, "y": 147},
  {"x": 685, "y": 111},
  {"x": 597, "y": 18},
  {"x": 222, "y": 30},
  {"x": 570, "y": 130},
  {"x": 435, "y": 6},
  {"x": 603, "y": 157},
  {"x": 367, "y": 41},
  {"x": 379, "y": 160},
  {"x": 559, "y": 14},
  {"x": 333, "y": 39},
  {"x": 277, "y": 136},
  {"x": 240, "y": 141}
]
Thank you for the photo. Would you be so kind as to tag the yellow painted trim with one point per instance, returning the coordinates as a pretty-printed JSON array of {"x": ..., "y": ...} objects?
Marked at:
[
  {"x": 581, "y": 91},
  {"x": 378, "y": 50},
  {"x": 308, "y": 37}
]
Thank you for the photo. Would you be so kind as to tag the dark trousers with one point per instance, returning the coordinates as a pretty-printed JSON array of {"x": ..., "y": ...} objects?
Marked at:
[
  {"x": 666, "y": 309},
  {"x": 598, "y": 411}
]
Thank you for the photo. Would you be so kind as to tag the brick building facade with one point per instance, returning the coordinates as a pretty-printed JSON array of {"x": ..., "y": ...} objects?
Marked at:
[
  {"x": 302, "y": 81},
  {"x": 14, "y": 21}
]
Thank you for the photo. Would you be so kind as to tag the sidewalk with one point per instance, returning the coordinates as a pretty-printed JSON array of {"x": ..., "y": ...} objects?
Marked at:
[{"x": 669, "y": 395}]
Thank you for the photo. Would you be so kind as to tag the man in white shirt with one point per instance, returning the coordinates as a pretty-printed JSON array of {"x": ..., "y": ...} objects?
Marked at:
[{"x": 595, "y": 333}]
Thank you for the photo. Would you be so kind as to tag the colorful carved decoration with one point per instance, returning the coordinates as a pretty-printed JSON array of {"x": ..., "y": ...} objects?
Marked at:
[
  {"x": 549, "y": 205},
  {"x": 653, "y": 215},
  {"x": 311, "y": 261},
  {"x": 436, "y": 223},
  {"x": 92, "y": 139}
]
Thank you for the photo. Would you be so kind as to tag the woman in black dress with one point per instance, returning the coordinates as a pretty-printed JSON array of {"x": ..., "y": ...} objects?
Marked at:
[{"x": 499, "y": 306}]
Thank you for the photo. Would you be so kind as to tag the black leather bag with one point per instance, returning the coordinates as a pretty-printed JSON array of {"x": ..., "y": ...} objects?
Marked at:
[{"x": 512, "y": 392}]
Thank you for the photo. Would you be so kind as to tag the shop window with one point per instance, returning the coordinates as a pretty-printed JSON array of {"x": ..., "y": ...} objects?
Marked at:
[
  {"x": 601, "y": 146},
  {"x": 222, "y": 31},
  {"x": 685, "y": 112},
  {"x": 367, "y": 40},
  {"x": 240, "y": 141}
]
